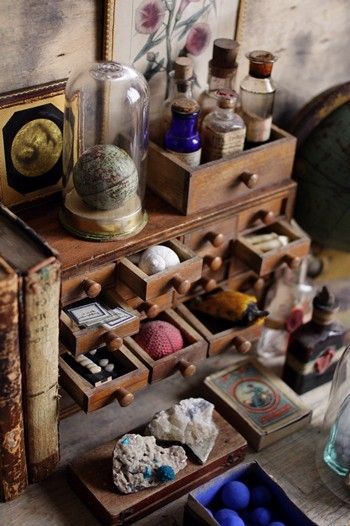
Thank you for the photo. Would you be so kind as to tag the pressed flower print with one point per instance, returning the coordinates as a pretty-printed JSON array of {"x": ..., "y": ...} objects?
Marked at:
[{"x": 149, "y": 16}]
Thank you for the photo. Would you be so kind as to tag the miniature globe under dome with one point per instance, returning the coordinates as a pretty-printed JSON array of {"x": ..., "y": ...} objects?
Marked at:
[{"x": 104, "y": 154}]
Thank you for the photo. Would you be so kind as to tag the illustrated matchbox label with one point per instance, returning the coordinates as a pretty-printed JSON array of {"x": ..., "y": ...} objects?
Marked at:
[
  {"x": 120, "y": 316},
  {"x": 255, "y": 396},
  {"x": 89, "y": 314}
]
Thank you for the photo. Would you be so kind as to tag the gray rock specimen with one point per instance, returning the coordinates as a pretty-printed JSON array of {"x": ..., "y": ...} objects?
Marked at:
[
  {"x": 189, "y": 422},
  {"x": 138, "y": 463}
]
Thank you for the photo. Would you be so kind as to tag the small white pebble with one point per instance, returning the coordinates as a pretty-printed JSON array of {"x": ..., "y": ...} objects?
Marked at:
[
  {"x": 94, "y": 369},
  {"x": 103, "y": 362},
  {"x": 109, "y": 367},
  {"x": 79, "y": 358},
  {"x": 93, "y": 352}
]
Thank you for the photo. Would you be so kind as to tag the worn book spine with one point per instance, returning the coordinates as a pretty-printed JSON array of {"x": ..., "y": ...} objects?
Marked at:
[
  {"x": 40, "y": 352},
  {"x": 13, "y": 468}
]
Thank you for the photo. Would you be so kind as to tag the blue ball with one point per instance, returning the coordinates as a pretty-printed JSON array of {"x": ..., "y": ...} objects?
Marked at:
[
  {"x": 277, "y": 523},
  {"x": 260, "y": 496},
  {"x": 227, "y": 517},
  {"x": 261, "y": 516},
  {"x": 235, "y": 495}
]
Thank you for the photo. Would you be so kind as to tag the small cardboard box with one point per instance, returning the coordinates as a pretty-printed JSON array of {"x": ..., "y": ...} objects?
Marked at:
[
  {"x": 206, "y": 497},
  {"x": 256, "y": 402}
]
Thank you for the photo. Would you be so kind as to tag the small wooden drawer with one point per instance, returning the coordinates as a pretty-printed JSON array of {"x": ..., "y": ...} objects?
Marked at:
[
  {"x": 88, "y": 284},
  {"x": 220, "y": 334},
  {"x": 185, "y": 360},
  {"x": 192, "y": 190},
  {"x": 265, "y": 262},
  {"x": 265, "y": 213},
  {"x": 177, "y": 278},
  {"x": 80, "y": 340},
  {"x": 209, "y": 281},
  {"x": 132, "y": 376},
  {"x": 213, "y": 240}
]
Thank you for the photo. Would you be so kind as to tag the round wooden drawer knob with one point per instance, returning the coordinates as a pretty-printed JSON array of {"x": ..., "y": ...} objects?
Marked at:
[
  {"x": 249, "y": 179},
  {"x": 213, "y": 262},
  {"x": 242, "y": 345},
  {"x": 259, "y": 285},
  {"x": 91, "y": 288},
  {"x": 124, "y": 397},
  {"x": 267, "y": 217},
  {"x": 151, "y": 309},
  {"x": 182, "y": 286},
  {"x": 208, "y": 284},
  {"x": 186, "y": 368},
  {"x": 292, "y": 262},
  {"x": 113, "y": 342},
  {"x": 216, "y": 239}
]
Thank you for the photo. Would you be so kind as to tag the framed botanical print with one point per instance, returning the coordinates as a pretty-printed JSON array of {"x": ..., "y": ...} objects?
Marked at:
[
  {"x": 31, "y": 126},
  {"x": 150, "y": 34}
]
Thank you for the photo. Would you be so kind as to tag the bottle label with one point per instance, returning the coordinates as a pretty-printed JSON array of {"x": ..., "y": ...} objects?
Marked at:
[
  {"x": 222, "y": 144},
  {"x": 193, "y": 159},
  {"x": 258, "y": 130}
]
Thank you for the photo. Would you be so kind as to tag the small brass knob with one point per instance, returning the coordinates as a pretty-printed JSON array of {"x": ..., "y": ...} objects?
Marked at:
[
  {"x": 113, "y": 342},
  {"x": 186, "y": 368},
  {"x": 292, "y": 262},
  {"x": 91, "y": 288},
  {"x": 182, "y": 286},
  {"x": 151, "y": 309},
  {"x": 124, "y": 397},
  {"x": 242, "y": 345},
  {"x": 213, "y": 262},
  {"x": 215, "y": 239},
  {"x": 250, "y": 179},
  {"x": 267, "y": 217},
  {"x": 208, "y": 284}
]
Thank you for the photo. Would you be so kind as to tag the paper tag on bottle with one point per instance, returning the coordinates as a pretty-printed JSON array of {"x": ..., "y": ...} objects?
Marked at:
[
  {"x": 258, "y": 130},
  {"x": 220, "y": 144},
  {"x": 193, "y": 159}
]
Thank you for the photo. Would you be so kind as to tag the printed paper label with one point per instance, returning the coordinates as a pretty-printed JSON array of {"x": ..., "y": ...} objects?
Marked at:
[
  {"x": 219, "y": 144},
  {"x": 193, "y": 159}
]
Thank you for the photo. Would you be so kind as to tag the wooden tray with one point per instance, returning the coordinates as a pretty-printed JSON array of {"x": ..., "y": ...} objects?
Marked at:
[{"x": 91, "y": 478}]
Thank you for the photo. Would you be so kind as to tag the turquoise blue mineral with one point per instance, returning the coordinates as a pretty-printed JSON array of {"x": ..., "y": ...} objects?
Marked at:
[
  {"x": 148, "y": 472},
  {"x": 165, "y": 473}
]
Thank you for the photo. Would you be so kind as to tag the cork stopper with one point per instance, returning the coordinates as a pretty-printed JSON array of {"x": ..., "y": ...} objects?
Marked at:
[
  {"x": 260, "y": 63},
  {"x": 226, "y": 98},
  {"x": 325, "y": 306},
  {"x": 183, "y": 68},
  {"x": 224, "y": 63},
  {"x": 185, "y": 106}
]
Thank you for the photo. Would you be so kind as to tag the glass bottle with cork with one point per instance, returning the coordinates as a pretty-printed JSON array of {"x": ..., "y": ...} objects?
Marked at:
[
  {"x": 183, "y": 138},
  {"x": 257, "y": 93},
  {"x": 223, "y": 131},
  {"x": 222, "y": 73},
  {"x": 181, "y": 86}
]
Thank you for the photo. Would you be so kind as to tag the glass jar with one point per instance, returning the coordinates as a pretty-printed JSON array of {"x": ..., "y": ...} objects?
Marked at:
[
  {"x": 105, "y": 148},
  {"x": 333, "y": 450},
  {"x": 257, "y": 96}
]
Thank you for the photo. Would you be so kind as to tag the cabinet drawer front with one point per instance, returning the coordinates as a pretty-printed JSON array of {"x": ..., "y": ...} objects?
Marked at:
[
  {"x": 217, "y": 333},
  {"x": 213, "y": 239},
  {"x": 264, "y": 263},
  {"x": 260, "y": 214},
  {"x": 194, "y": 352},
  {"x": 148, "y": 287},
  {"x": 90, "y": 397},
  {"x": 74, "y": 289}
]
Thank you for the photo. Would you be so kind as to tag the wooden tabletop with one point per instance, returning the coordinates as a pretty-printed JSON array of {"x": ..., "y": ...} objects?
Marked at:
[{"x": 290, "y": 461}]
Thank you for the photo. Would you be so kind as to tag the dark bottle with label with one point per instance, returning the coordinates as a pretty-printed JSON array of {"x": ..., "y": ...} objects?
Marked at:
[{"x": 315, "y": 348}]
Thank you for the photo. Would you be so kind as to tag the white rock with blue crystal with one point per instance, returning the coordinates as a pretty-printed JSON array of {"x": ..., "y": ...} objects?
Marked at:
[{"x": 138, "y": 463}]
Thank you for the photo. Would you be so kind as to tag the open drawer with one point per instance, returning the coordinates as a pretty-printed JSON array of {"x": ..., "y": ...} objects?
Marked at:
[
  {"x": 81, "y": 339},
  {"x": 129, "y": 376},
  {"x": 263, "y": 260},
  {"x": 178, "y": 277},
  {"x": 184, "y": 360},
  {"x": 220, "y": 334}
]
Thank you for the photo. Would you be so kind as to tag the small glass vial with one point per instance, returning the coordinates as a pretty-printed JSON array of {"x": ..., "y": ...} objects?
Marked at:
[
  {"x": 183, "y": 138},
  {"x": 257, "y": 92},
  {"x": 222, "y": 73},
  {"x": 181, "y": 86},
  {"x": 105, "y": 150},
  {"x": 223, "y": 131}
]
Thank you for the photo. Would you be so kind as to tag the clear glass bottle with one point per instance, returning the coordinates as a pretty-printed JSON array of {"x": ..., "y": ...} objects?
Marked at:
[
  {"x": 333, "y": 449},
  {"x": 183, "y": 138},
  {"x": 181, "y": 86},
  {"x": 105, "y": 150},
  {"x": 221, "y": 75},
  {"x": 223, "y": 131},
  {"x": 257, "y": 92}
]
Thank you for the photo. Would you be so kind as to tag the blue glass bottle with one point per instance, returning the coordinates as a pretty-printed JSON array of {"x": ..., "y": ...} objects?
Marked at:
[{"x": 183, "y": 138}]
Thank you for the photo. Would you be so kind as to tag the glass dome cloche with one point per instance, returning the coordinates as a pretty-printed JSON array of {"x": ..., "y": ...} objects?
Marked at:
[{"x": 105, "y": 141}]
